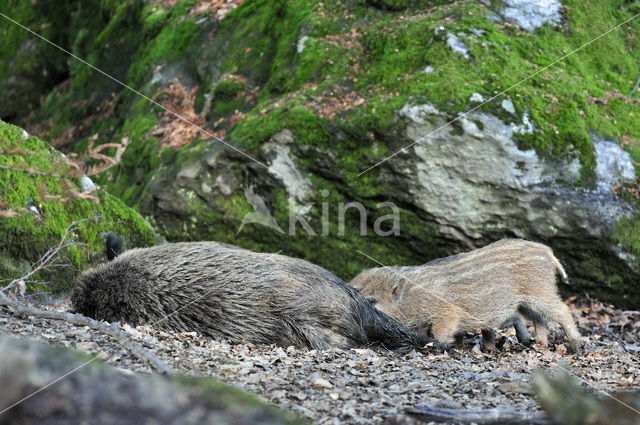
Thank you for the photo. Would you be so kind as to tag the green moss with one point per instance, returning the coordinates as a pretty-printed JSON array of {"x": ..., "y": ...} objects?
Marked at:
[
  {"x": 45, "y": 209},
  {"x": 218, "y": 394},
  {"x": 164, "y": 42},
  {"x": 627, "y": 233}
]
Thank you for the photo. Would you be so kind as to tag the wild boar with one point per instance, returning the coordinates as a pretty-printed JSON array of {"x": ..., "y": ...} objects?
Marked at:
[
  {"x": 226, "y": 292},
  {"x": 480, "y": 289}
]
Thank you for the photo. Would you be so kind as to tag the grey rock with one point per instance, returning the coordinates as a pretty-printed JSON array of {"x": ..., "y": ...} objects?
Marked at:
[
  {"x": 457, "y": 45},
  {"x": 507, "y": 105},
  {"x": 613, "y": 164},
  {"x": 30, "y": 73},
  {"x": 476, "y": 97},
  {"x": 95, "y": 393},
  {"x": 283, "y": 167},
  {"x": 475, "y": 181},
  {"x": 301, "y": 43},
  {"x": 532, "y": 14},
  {"x": 190, "y": 172},
  {"x": 87, "y": 183},
  {"x": 628, "y": 258},
  {"x": 493, "y": 17},
  {"x": 477, "y": 31}
]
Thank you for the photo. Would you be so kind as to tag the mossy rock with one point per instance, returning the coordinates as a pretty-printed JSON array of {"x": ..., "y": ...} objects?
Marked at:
[
  {"x": 28, "y": 365},
  {"x": 296, "y": 60},
  {"x": 39, "y": 203}
]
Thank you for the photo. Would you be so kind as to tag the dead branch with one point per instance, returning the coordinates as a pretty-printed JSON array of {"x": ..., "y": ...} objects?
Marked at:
[
  {"x": 72, "y": 194},
  {"x": 619, "y": 344},
  {"x": 112, "y": 330},
  {"x": 8, "y": 213},
  {"x": 95, "y": 153},
  {"x": 488, "y": 416}
]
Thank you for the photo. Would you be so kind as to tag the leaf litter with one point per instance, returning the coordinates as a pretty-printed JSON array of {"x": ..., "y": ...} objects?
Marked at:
[{"x": 363, "y": 386}]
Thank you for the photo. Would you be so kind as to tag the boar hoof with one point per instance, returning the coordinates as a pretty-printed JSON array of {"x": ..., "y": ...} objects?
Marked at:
[{"x": 490, "y": 348}]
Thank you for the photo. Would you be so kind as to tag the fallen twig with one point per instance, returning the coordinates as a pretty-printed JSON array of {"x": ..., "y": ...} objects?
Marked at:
[
  {"x": 32, "y": 171},
  {"x": 624, "y": 347},
  {"x": 79, "y": 320},
  {"x": 488, "y": 416}
]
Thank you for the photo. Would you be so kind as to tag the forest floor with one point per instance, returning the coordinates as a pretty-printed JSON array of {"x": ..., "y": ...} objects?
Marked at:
[{"x": 363, "y": 386}]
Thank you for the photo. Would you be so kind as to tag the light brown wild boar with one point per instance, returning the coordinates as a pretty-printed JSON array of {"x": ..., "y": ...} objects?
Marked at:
[
  {"x": 480, "y": 289},
  {"x": 227, "y": 292}
]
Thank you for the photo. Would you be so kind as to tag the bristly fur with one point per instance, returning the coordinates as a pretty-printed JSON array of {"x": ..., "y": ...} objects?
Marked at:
[
  {"x": 480, "y": 289},
  {"x": 226, "y": 292}
]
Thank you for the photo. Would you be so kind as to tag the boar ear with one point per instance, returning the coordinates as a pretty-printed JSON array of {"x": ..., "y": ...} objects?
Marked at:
[{"x": 395, "y": 289}]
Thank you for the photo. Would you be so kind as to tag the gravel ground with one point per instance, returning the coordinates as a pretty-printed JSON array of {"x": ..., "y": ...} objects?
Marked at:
[{"x": 362, "y": 386}]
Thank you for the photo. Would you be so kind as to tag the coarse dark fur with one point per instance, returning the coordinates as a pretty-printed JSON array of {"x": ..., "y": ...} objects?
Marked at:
[
  {"x": 480, "y": 289},
  {"x": 114, "y": 246},
  {"x": 226, "y": 292}
]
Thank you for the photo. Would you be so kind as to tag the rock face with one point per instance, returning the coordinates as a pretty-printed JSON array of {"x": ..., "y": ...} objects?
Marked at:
[
  {"x": 474, "y": 180},
  {"x": 473, "y": 183},
  {"x": 99, "y": 393}
]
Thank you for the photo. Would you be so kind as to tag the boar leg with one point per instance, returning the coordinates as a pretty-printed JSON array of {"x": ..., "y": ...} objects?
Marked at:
[
  {"x": 558, "y": 312},
  {"x": 565, "y": 318},
  {"x": 445, "y": 328},
  {"x": 489, "y": 340},
  {"x": 517, "y": 321},
  {"x": 542, "y": 332},
  {"x": 521, "y": 330},
  {"x": 540, "y": 323},
  {"x": 459, "y": 341}
]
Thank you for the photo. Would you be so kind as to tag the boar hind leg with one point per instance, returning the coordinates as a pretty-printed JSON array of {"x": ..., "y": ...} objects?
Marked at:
[
  {"x": 521, "y": 330},
  {"x": 559, "y": 312},
  {"x": 489, "y": 340},
  {"x": 570, "y": 329},
  {"x": 540, "y": 324},
  {"x": 542, "y": 333}
]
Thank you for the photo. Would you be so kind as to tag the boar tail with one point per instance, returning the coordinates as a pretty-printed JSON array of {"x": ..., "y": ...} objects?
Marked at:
[
  {"x": 560, "y": 270},
  {"x": 113, "y": 246}
]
